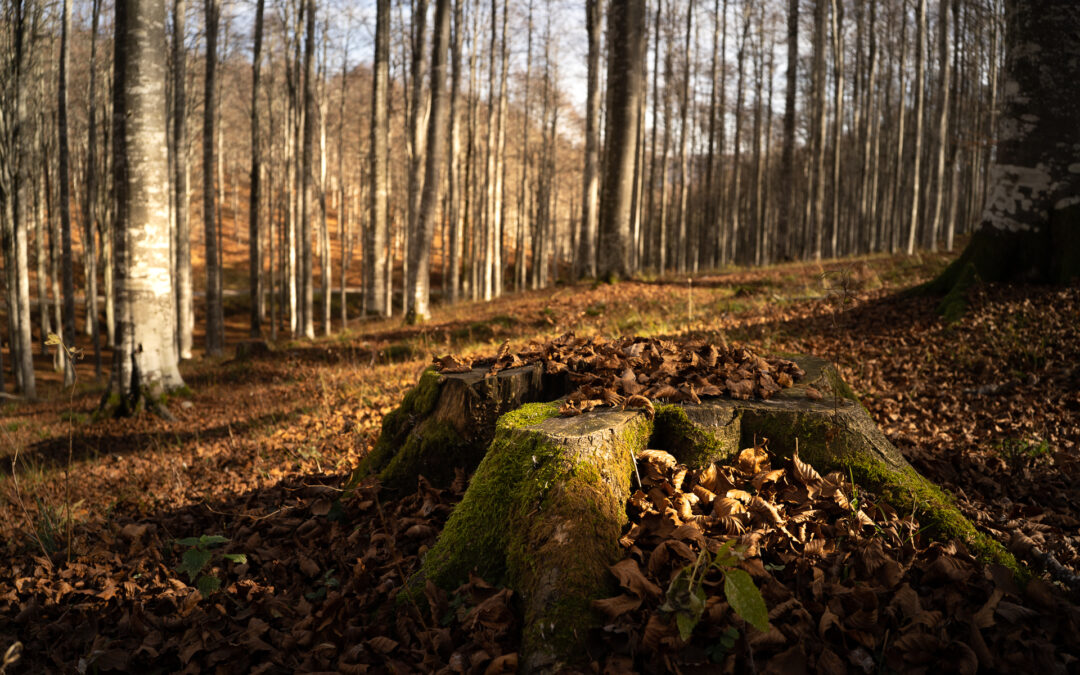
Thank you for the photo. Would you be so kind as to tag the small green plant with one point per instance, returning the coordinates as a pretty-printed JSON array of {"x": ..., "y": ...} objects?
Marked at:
[
  {"x": 685, "y": 596},
  {"x": 1018, "y": 452},
  {"x": 327, "y": 581},
  {"x": 719, "y": 649},
  {"x": 199, "y": 554}
]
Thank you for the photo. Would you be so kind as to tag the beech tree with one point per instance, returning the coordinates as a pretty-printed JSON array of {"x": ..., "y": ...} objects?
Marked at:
[
  {"x": 1030, "y": 227},
  {"x": 377, "y": 232},
  {"x": 144, "y": 362},
  {"x": 626, "y": 35},
  {"x": 419, "y": 285},
  {"x": 215, "y": 320}
]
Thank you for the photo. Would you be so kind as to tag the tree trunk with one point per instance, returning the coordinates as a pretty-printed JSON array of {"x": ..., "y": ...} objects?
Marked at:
[
  {"x": 254, "y": 243},
  {"x": 626, "y": 31},
  {"x": 215, "y": 321},
  {"x": 594, "y": 13},
  {"x": 684, "y": 169},
  {"x": 920, "y": 97},
  {"x": 308, "y": 215},
  {"x": 1030, "y": 229},
  {"x": 838, "y": 120},
  {"x": 818, "y": 189},
  {"x": 785, "y": 228},
  {"x": 65, "y": 193},
  {"x": 420, "y": 251},
  {"x": 90, "y": 210},
  {"x": 375, "y": 261},
  {"x": 145, "y": 359},
  {"x": 418, "y": 121},
  {"x": 942, "y": 131},
  {"x": 454, "y": 183}
]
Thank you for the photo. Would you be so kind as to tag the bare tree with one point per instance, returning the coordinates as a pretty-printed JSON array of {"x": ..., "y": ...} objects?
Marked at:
[
  {"x": 215, "y": 319},
  {"x": 626, "y": 31},
  {"x": 65, "y": 191},
  {"x": 420, "y": 253},
  {"x": 144, "y": 363},
  {"x": 375, "y": 257},
  {"x": 254, "y": 241},
  {"x": 594, "y": 13},
  {"x": 920, "y": 97}
]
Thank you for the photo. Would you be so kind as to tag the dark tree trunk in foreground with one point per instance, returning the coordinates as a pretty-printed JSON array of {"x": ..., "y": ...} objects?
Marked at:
[
  {"x": 1030, "y": 228},
  {"x": 626, "y": 32},
  {"x": 145, "y": 358}
]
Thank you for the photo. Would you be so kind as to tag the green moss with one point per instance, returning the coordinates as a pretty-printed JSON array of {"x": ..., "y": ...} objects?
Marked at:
[
  {"x": 908, "y": 492},
  {"x": 432, "y": 450},
  {"x": 528, "y": 415},
  {"x": 528, "y": 498},
  {"x": 832, "y": 446},
  {"x": 690, "y": 443},
  {"x": 953, "y": 306},
  {"x": 416, "y": 405},
  {"x": 839, "y": 386},
  {"x": 476, "y": 535}
]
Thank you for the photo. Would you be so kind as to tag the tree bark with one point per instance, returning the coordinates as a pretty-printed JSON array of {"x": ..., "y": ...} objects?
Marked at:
[
  {"x": 785, "y": 229},
  {"x": 254, "y": 243},
  {"x": 420, "y": 252},
  {"x": 594, "y": 13},
  {"x": 375, "y": 262},
  {"x": 920, "y": 97},
  {"x": 626, "y": 31},
  {"x": 145, "y": 359},
  {"x": 308, "y": 214},
  {"x": 215, "y": 320},
  {"x": 1030, "y": 228},
  {"x": 65, "y": 193}
]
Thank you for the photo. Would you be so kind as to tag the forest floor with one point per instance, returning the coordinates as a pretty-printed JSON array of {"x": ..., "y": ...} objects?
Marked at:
[{"x": 109, "y": 526}]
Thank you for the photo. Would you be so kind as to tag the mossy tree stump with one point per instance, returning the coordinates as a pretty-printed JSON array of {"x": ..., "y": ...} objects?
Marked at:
[
  {"x": 547, "y": 502},
  {"x": 447, "y": 421}
]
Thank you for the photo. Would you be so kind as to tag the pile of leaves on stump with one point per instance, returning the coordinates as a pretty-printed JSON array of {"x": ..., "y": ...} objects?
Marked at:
[{"x": 633, "y": 371}]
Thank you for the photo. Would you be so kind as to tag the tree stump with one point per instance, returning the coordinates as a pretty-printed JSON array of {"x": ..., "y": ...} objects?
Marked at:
[
  {"x": 547, "y": 503},
  {"x": 447, "y": 421}
]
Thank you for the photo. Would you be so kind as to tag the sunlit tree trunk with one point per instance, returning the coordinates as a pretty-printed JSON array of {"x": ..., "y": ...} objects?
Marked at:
[
  {"x": 375, "y": 255},
  {"x": 941, "y": 139},
  {"x": 308, "y": 215},
  {"x": 90, "y": 210},
  {"x": 920, "y": 97},
  {"x": 420, "y": 253},
  {"x": 145, "y": 359},
  {"x": 594, "y": 13}
]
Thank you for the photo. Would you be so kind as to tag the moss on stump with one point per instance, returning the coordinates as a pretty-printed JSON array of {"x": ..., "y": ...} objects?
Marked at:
[
  {"x": 543, "y": 515},
  {"x": 445, "y": 422}
]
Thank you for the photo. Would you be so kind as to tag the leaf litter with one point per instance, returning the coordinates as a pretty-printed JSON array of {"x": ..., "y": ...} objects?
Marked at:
[{"x": 988, "y": 407}]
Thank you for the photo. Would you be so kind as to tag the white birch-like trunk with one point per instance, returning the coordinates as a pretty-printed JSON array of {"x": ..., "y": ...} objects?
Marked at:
[{"x": 145, "y": 318}]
